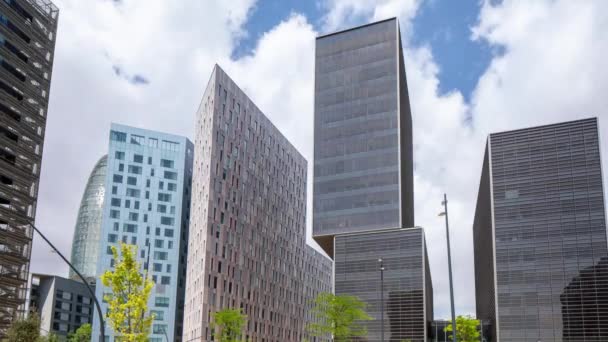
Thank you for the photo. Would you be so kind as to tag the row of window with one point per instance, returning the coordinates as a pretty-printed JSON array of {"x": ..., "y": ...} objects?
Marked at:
[{"x": 141, "y": 141}]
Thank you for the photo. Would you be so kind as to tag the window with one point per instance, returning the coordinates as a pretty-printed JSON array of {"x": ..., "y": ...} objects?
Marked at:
[
  {"x": 115, "y": 202},
  {"x": 153, "y": 142},
  {"x": 169, "y": 246},
  {"x": 160, "y": 255},
  {"x": 115, "y": 226},
  {"x": 167, "y": 220},
  {"x": 133, "y": 216},
  {"x": 147, "y": 183},
  {"x": 164, "y": 197},
  {"x": 129, "y": 228},
  {"x": 114, "y": 190},
  {"x": 127, "y": 204},
  {"x": 121, "y": 167},
  {"x": 133, "y": 193},
  {"x": 115, "y": 214},
  {"x": 164, "y": 280},
  {"x": 166, "y": 163},
  {"x": 168, "y": 232},
  {"x": 171, "y": 186},
  {"x": 168, "y": 268},
  {"x": 159, "y": 243},
  {"x": 119, "y": 155},
  {"x": 161, "y": 208},
  {"x": 118, "y": 136},
  {"x": 162, "y": 302},
  {"x": 157, "y": 231},
  {"x": 112, "y": 238},
  {"x": 149, "y": 160},
  {"x": 117, "y": 178},
  {"x": 138, "y": 158},
  {"x": 135, "y": 169},
  {"x": 132, "y": 180},
  {"x": 170, "y": 175},
  {"x": 159, "y": 328},
  {"x": 160, "y": 185},
  {"x": 137, "y": 139},
  {"x": 156, "y": 267},
  {"x": 133, "y": 240},
  {"x": 136, "y": 206},
  {"x": 109, "y": 250},
  {"x": 169, "y": 145},
  {"x": 158, "y": 315}
]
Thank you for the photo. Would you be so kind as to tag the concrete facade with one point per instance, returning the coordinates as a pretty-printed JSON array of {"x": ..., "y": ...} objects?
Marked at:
[
  {"x": 148, "y": 205},
  {"x": 27, "y": 44},
  {"x": 540, "y": 235},
  {"x": 247, "y": 246},
  {"x": 62, "y": 304}
]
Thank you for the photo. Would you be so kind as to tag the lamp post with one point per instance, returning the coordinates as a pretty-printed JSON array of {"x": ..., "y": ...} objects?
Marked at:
[
  {"x": 102, "y": 323},
  {"x": 381, "y": 299},
  {"x": 447, "y": 236}
]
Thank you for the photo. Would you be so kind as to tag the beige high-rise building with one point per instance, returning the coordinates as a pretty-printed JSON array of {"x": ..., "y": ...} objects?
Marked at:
[{"x": 247, "y": 242}]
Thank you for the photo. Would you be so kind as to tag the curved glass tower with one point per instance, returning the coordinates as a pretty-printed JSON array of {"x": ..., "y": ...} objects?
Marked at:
[{"x": 85, "y": 245}]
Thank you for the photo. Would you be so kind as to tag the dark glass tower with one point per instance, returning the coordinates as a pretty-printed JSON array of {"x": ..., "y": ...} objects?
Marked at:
[
  {"x": 27, "y": 43},
  {"x": 540, "y": 235},
  {"x": 363, "y": 204},
  {"x": 363, "y": 167}
]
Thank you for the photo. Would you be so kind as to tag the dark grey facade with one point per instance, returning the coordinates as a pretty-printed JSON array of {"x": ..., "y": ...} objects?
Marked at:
[
  {"x": 27, "y": 44},
  {"x": 363, "y": 166},
  {"x": 247, "y": 242},
  {"x": 540, "y": 235},
  {"x": 62, "y": 304},
  {"x": 408, "y": 300}
]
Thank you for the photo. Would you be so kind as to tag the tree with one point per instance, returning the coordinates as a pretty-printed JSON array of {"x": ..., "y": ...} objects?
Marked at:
[
  {"x": 28, "y": 330},
  {"x": 466, "y": 329},
  {"x": 82, "y": 334},
  {"x": 128, "y": 301},
  {"x": 339, "y": 316},
  {"x": 228, "y": 325}
]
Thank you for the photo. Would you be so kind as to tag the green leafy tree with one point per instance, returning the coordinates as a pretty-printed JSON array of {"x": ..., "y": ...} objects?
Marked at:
[
  {"x": 338, "y": 316},
  {"x": 228, "y": 325},
  {"x": 82, "y": 334},
  {"x": 28, "y": 330},
  {"x": 128, "y": 301},
  {"x": 466, "y": 329}
]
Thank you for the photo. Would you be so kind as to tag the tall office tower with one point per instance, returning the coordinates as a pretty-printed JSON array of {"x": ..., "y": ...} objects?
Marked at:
[
  {"x": 63, "y": 305},
  {"x": 147, "y": 204},
  {"x": 27, "y": 44},
  {"x": 363, "y": 178},
  {"x": 540, "y": 235},
  {"x": 247, "y": 246},
  {"x": 85, "y": 244}
]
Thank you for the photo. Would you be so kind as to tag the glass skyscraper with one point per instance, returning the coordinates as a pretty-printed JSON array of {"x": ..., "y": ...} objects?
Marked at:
[
  {"x": 540, "y": 235},
  {"x": 363, "y": 204},
  {"x": 85, "y": 244},
  {"x": 147, "y": 204},
  {"x": 27, "y": 45}
]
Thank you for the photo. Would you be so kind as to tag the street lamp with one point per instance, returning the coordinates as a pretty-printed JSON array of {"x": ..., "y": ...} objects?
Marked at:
[
  {"x": 102, "y": 323},
  {"x": 381, "y": 299},
  {"x": 447, "y": 236}
]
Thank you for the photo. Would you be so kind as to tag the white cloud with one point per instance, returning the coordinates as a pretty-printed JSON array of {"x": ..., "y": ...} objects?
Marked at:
[{"x": 551, "y": 69}]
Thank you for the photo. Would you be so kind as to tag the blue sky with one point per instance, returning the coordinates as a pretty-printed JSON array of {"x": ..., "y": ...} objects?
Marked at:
[{"x": 445, "y": 26}]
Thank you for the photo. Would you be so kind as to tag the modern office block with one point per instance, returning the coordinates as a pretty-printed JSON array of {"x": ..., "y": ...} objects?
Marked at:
[
  {"x": 62, "y": 304},
  {"x": 407, "y": 298},
  {"x": 247, "y": 247},
  {"x": 27, "y": 44},
  {"x": 363, "y": 166},
  {"x": 147, "y": 204},
  {"x": 540, "y": 235},
  {"x": 85, "y": 244}
]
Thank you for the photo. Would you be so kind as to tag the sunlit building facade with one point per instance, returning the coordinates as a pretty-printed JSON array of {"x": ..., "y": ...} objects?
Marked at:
[
  {"x": 247, "y": 247},
  {"x": 85, "y": 244},
  {"x": 147, "y": 204}
]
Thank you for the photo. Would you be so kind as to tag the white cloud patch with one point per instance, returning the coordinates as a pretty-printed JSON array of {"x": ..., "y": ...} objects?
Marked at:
[{"x": 551, "y": 69}]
